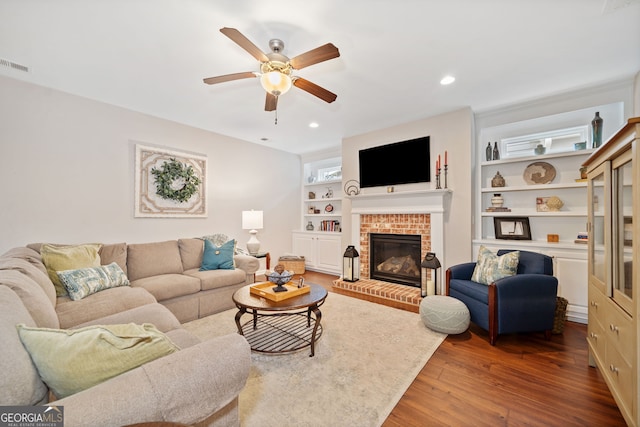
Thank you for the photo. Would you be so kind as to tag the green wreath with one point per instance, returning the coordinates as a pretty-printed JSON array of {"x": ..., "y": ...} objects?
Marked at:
[{"x": 175, "y": 181}]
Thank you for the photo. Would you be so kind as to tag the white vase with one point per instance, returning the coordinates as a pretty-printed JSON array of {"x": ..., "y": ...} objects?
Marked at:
[{"x": 497, "y": 201}]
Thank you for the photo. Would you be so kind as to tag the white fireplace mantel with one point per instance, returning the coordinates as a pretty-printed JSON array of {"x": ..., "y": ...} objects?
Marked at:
[{"x": 433, "y": 202}]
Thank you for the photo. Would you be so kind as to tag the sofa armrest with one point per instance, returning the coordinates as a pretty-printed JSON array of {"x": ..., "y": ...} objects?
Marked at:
[
  {"x": 528, "y": 286},
  {"x": 248, "y": 263},
  {"x": 185, "y": 387}
]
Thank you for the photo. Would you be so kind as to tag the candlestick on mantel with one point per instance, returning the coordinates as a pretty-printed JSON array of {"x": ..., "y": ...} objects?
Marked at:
[
  {"x": 445, "y": 159},
  {"x": 439, "y": 161}
]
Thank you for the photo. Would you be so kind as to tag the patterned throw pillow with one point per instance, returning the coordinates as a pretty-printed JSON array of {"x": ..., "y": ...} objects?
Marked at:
[
  {"x": 218, "y": 257},
  {"x": 86, "y": 281},
  {"x": 491, "y": 267},
  {"x": 60, "y": 258},
  {"x": 73, "y": 360}
]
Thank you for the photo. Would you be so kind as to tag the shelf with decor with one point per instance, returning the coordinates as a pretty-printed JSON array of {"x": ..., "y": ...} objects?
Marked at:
[
  {"x": 321, "y": 196},
  {"x": 540, "y": 162}
]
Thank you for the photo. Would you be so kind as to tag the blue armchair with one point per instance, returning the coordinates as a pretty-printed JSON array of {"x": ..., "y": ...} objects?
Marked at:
[{"x": 525, "y": 302}]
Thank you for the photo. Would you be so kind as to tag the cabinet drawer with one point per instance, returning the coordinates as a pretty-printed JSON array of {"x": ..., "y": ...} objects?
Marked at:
[
  {"x": 596, "y": 337},
  {"x": 618, "y": 328},
  {"x": 622, "y": 379}
]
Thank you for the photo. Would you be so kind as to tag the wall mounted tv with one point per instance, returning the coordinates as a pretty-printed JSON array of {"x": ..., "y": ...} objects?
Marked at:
[{"x": 404, "y": 162}]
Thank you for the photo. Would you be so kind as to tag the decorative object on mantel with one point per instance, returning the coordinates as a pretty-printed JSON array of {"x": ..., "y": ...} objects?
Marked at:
[
  {"x": 439, "y": 168},
  {"x": 539, "y": 173},
  {"x": 430, "y": 262},
  {"x": 351, "y": 265},
  {"x": 352, "y": 187},
  {"x": 554, "y": 203},
  {"x": 488, "y": 150},
  {"x": 496, "y": 153},
  {"x": 596, "y": 130},
  {"x": 540, "y": 149},
  {"x": 169, "y": 183},
  {"x": 498, "y": 180}
]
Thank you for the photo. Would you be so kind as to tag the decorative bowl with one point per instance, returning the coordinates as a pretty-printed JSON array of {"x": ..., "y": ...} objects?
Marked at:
[{"x": 279, "y": 279}]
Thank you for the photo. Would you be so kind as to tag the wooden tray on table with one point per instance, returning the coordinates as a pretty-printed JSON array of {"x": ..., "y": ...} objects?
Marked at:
[{"x": 265, "y": 289}]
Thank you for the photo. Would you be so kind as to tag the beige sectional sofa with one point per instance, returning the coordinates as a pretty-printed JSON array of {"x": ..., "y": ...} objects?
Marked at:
[{"x": 198, "y": 385}]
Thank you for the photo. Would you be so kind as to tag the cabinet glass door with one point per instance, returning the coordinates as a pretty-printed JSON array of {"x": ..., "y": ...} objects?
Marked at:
[
  {"x": 598, "y": 200},
  {"x": 621, "y": 175}
]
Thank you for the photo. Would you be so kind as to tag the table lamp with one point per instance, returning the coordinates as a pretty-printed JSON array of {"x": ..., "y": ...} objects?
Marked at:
[{"x": 252, "y": 221}]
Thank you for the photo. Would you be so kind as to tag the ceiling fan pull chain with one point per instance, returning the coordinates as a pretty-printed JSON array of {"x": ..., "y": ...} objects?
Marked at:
[{"x": 276, "y": 111}]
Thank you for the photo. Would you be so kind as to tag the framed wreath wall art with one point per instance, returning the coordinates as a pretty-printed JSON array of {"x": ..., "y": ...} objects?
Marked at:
[{"x": 170, "y": 183}]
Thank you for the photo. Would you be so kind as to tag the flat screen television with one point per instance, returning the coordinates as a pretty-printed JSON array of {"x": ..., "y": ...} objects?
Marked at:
[{"x": 404, "y": 162}]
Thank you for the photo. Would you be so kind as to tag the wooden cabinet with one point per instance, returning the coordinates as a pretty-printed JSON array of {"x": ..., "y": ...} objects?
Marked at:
[
  {"x": 614, "y": 257},
  {"x": 322, "y": 251}
]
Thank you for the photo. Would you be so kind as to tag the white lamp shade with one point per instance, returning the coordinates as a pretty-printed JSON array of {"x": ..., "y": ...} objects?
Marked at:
[
  {"x": 251, "y": 220},
  {"x": 275, "y": 82}
]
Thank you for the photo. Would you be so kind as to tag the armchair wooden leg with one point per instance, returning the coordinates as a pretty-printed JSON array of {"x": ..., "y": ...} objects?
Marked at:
[
  {"x": 547, "y": 335},
  {"x": 493, "y": 314}
]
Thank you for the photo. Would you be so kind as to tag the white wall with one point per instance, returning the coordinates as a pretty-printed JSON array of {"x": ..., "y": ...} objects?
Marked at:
[
  {"x": 452, "y": 132},
  {"x": 67, "y": 174}
]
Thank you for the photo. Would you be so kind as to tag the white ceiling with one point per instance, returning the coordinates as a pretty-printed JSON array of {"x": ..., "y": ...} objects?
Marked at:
[{"x": 151, "y": 56}]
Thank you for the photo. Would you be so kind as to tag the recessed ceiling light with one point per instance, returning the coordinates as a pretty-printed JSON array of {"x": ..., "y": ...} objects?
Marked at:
[
  {"x": 264, "y": 139},
  {"x": 313, "y": 125},
  {"x": 447, "y": 80}
]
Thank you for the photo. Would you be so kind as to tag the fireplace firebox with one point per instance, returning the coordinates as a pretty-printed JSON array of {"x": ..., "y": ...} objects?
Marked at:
[{"x": 395, "y": 258}]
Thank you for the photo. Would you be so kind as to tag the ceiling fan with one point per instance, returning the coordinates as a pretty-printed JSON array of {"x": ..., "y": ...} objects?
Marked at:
[{"x": 276, "y": 70}]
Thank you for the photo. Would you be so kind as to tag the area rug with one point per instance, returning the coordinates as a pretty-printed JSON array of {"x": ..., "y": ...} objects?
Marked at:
[{"x": 365, "y": 360}]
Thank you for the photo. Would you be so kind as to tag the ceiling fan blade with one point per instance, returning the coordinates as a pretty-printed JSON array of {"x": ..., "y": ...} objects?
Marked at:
[
  {"x": 229, "y": 77},
  {"x": 314, "y": 89},
  {"x": 244, "y": 43},
  {"x": 314, "y": 56},
  {"x": 271, "y": 103}
]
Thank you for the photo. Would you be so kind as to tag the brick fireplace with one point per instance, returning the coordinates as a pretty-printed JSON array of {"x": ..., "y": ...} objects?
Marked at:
[{"x": 411, "y": 212}]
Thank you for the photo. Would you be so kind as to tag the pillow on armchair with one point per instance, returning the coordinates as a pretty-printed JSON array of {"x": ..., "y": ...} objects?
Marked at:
[{"x": 491, "y": 267}]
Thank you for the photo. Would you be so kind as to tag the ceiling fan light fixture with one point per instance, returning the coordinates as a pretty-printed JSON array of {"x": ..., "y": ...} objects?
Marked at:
[{"x": 275, "y": 82}]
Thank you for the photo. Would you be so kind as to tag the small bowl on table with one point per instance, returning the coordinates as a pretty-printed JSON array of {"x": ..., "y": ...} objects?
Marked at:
[{"x": 280, "y": 279}]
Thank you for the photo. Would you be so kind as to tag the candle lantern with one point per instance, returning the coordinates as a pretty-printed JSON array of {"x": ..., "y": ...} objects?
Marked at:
[
  {"x": 430, "y": 262},
  {"x": 351, "y": 265}
]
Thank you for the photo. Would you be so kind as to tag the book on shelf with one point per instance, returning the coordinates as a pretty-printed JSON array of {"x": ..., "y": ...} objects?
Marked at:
[
  {"x": 501, "y": 209},
  {"x": 330, "y": 225},
  {"x": 582, "y": 237},
  {"x": 583, "y": 241}
]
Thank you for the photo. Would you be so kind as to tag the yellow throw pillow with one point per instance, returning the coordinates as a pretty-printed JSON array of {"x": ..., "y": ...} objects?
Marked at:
[
  {"x": 61, "y": 258},
  {"x": 69, "y": 361}
]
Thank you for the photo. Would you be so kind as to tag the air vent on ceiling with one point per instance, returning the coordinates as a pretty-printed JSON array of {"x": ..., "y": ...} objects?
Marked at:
[{"x": 14, "y": 65}]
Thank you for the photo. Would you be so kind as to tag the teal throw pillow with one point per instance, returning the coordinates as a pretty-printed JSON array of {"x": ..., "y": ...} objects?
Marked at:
[
  {"x": 491, "y": 267},
  {"x": 218, "y": 257},
  {"x": 82, "y": 282}
]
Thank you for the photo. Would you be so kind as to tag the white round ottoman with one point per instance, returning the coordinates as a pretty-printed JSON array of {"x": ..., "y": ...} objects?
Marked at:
[{"x": 444, "y": 314}]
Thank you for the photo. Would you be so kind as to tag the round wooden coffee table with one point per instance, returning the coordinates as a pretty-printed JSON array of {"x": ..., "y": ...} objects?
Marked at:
[{"x": 280, "y": 326}]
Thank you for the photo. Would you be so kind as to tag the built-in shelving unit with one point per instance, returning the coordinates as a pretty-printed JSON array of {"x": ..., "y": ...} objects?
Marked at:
[
  {"x": 517, "y": 143},
  {"x": 322, "y": 209}
]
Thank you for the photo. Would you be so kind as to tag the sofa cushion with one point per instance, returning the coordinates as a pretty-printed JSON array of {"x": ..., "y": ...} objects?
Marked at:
[
  {"x": 86, "y": 281},
  {"x": 167, "y": 286},
  {"x": 214, "y": 279},
  {"x": 21, "y": 384},
  {"x": 153, "y": 259},
  {"x": 33, "y": 272},
  {"x": 70, "y": 361},
  {"x": 218, "y": 257},
  {"x": 491, "y": 267},
  {"x": 30, "y": 255},
  {"x": 32, "y": 296},
  {"x": 191, "y": 253},
  {"x": 115, "y": 252},
  {"x": 60, "y": 258},
  {"x": 105, "y": 303},
  {"x": 156, "y": 314}
]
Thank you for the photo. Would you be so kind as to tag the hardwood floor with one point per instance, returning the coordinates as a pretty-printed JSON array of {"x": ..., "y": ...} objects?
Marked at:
[{"x": 523, "y": 381}]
